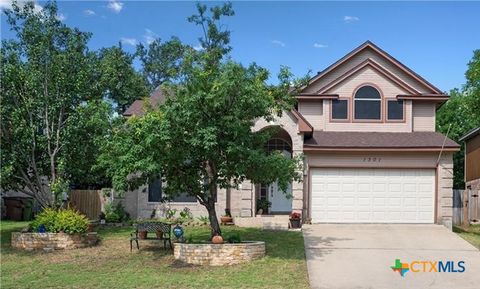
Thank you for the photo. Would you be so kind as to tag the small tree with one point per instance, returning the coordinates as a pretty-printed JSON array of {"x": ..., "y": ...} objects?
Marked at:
[{"x": 201, "y": 139}]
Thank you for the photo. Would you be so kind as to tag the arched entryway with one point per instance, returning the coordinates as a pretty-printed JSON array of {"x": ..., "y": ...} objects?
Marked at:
[{"x": 280, "y": 201}]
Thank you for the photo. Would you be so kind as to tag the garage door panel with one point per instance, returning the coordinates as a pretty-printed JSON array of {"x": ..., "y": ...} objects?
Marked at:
[{"x": 373, "y": 195}]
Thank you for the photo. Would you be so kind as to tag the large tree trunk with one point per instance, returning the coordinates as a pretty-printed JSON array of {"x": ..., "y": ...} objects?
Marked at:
[
  {"x": 210, "y": 202},
  {"x": 212, "y": 216}
]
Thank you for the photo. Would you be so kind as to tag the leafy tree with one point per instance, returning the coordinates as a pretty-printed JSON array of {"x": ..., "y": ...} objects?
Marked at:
[
  {"x": 86, "y": 129},
  {"x": 461, "y": 113},
  {"x": 117, "y": 79},
  {"x": 54, "y": 92},
  {"x": 161, "y": 62},
  {"x": 201, "y": 139},
  {"x": 46, "y": 73}
]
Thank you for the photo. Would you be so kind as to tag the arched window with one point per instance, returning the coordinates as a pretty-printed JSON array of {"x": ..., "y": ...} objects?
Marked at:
[
  {"x": 278, "y": 144},
  {"x": 368, "y": 103}
]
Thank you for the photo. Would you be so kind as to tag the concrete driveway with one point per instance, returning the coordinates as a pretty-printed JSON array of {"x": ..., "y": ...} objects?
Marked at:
[{"x": 360, "y": 256}]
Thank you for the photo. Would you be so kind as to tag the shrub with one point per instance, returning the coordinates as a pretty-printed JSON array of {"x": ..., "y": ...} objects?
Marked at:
[
  {"x": 115, "y": 214},
  {"x": 234, "y": 238},
  {"x": 112, "y": 217},
  {"x": 186, "y": 214},
  {"x": 203, "y": 219},
  {"x": 47, "y": 218},
  {"x": 63, "y": 220}
]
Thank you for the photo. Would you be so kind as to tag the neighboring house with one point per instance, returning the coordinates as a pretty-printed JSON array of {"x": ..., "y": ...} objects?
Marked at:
[
  {"x": 472, "y": 159},
  {"x": 366, "y": 128}
]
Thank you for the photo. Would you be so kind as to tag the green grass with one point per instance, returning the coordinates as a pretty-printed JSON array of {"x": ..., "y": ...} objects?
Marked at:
[
  {"x": 471, "y": 234},
  {"x": 111, "y": 265}
]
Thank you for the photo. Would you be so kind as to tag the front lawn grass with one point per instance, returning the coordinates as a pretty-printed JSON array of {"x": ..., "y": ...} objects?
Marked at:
[
  {"x": 111, "y": 265},
  {"x": 471, "y": 234}
]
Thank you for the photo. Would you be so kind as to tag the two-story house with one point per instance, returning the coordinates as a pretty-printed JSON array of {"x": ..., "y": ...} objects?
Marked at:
[
  {"x": 366, "y": 128},
  {"x": 472, "y": 159}
]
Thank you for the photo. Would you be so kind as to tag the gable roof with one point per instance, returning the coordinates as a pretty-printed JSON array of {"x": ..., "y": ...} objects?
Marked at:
[
  {"x": 391, "y": 59},
  {"x": 375, "y": 66}
]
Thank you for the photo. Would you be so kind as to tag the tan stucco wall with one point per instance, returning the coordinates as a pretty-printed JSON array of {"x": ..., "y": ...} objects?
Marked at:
[{"x": 444, "y": 171}]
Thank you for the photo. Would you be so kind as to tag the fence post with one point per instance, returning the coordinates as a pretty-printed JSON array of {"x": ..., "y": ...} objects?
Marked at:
[{"x": 466, "y": 221}]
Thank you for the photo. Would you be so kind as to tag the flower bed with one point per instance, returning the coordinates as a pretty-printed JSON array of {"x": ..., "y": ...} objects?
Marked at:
[
  {"x": 53, "y": 241},
  {"x": 219, "y": 254}
]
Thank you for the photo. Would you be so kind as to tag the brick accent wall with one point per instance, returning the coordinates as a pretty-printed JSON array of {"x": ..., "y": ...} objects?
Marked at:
[
  {"x": 218, "y": 254},
  {"x": 52, "y": 241}
]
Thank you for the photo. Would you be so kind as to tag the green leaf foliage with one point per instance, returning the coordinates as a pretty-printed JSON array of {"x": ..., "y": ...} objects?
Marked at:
[
  {"x": 58, "y": 98},
  {"x": 461, "y": 113},
  {"x": 161, "y": 62},
  {"x": 63, "y": 220},
  {"x": 201, "y": 138}
]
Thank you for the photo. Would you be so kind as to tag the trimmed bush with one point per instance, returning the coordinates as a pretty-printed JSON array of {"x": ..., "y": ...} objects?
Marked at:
[
  {"x": 112, "y": 217},
  {"x": 63, "y": 220}
]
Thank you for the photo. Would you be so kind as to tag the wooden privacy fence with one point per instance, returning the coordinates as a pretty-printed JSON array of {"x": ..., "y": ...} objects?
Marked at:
[
  {"x": 466, "y": 205},
  {"x": 87, "y": 202}
]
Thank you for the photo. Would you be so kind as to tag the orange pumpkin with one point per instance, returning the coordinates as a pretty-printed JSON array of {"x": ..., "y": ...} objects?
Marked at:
[{"x": 217, "y": 240}]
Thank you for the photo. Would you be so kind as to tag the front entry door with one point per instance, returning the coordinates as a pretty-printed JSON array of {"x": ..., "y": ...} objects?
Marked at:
[{"x": 281, "y": 201}]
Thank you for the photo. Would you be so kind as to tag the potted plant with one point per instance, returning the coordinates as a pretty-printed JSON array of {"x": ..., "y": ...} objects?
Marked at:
[
  {"x": 227, "y": 218},
  {"x": 262, "y": 206},
  {"x": 295, "y": 220}
]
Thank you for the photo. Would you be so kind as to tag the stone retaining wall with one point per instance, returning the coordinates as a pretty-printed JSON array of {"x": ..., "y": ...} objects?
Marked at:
[
  {"x": 219, "y": 254},
  {"x": 52, "y": 241}
]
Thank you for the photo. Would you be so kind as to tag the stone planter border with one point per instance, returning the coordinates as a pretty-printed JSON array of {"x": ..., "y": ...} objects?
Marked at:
[
  {"x": 52, "y": 241},
  {"x": 219, "y": 254}
]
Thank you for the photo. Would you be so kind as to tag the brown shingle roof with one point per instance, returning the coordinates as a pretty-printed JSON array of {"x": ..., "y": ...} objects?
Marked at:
[
  {"x": 379, "y": 140},
  {"x": 156, "y": 97}
]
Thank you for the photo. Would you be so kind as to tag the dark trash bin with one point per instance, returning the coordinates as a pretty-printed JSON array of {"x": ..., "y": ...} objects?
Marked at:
[{"x": 14, "y": 209}]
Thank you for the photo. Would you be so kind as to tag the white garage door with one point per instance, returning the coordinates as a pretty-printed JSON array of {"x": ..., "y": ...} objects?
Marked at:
[{"x": 373, "y": 195}]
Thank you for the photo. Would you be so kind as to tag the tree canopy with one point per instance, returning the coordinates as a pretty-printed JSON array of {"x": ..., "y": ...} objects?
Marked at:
[
  {"x": 57, "y": 99},
  {"x": 201, "y": 138},
  {"x": 462, "y": 113}
]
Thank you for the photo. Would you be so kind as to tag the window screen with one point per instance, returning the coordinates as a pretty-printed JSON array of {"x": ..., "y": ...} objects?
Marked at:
[
  {"x": 368, "y": 103},
  {"x": 155, "y": 191},
  {"x": 395, "y": 109},
  {"x": 340, "y": 109}
]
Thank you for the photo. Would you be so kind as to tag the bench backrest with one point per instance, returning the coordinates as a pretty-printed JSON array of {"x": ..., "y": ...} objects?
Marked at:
[{"x": 154, "y": 226}]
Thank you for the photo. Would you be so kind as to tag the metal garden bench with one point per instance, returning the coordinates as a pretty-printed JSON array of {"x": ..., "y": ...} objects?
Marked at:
[{"x": 164, "y": 234}]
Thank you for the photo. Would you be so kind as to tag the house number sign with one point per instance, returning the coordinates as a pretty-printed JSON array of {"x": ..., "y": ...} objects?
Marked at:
[{"x": 372, "y": 159}]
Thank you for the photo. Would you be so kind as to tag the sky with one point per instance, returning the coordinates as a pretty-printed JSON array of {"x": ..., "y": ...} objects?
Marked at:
[{"x": 435, "y": 39}]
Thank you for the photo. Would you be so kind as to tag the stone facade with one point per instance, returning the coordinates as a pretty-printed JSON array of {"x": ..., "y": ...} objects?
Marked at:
[
  {"x": 218, "y": 254},
  {"x": 243, "y": 198},
  {"x": 445, "y": 190},
  {"x": 52, "y": 241},
  {"x": 137, "y": 205}
]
